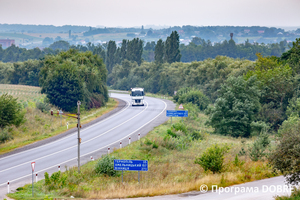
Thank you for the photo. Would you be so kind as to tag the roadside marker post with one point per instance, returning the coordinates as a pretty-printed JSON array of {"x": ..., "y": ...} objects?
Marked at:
[
  {"x": 92, "y": 158},
  {"x": 108, "y": 150},
  {"x": 67, "y": 125},
  {"x": 139, "y": 136},
  {"x": 120, "y": 144},
  {"x": 129, "y": 140},
  {"x": 32, "y": 167},
  {"x": 58, "y": 167},
  {"x": 7, "y": 187},
  {"x": 36, "y": 178}
]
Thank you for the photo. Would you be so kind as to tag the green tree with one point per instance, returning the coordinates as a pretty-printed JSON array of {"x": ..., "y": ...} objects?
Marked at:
[
  {"x": 172, "y": 52},
  {"x": 286, "y": 157},
  {"x": 159, "y": 51},
  {"x": 135, "y": 50},
  {"x": 10, "y": 111},
  {"x": 292, "y": 56},
  {"x": 277, "y": 84},
  {"x": 65, "y": 88},
  {"x": 110, "y": 55},
  {"x": 236, "y": 108},
  {"x": 60, "y": 45},
  {"x": 71, "y": 76}
]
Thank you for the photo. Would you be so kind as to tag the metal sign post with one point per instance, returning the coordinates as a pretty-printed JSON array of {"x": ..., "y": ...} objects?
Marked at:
[{"x": 32, "y": 167}]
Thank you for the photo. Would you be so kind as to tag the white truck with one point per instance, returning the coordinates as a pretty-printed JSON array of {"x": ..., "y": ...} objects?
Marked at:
[{"x": 137, "y": 96}]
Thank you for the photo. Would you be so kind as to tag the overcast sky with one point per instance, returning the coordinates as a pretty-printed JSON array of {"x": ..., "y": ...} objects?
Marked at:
[{"x": 129, "y": 13}]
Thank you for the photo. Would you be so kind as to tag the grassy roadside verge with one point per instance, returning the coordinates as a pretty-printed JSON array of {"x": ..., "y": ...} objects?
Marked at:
[
  {"x": 172, "y": 167},
  {"x": 41, "y": 125}
]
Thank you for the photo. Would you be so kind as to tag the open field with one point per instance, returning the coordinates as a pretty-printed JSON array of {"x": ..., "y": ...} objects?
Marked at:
[
  {"x": 20, "y": 38},
  {"x": 40, "y": 125},
  {"x": 172, "y": 167}
]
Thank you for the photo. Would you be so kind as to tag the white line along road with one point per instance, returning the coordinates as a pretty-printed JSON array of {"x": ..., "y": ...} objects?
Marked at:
[{"x": 129, "y": 122}]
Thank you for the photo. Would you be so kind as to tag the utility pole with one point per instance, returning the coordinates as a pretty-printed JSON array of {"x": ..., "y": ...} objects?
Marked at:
[{"x": 79, "y": 139}]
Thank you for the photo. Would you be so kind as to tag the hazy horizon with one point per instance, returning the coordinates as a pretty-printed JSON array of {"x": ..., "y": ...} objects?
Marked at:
[{"x": 135, "y": 13}]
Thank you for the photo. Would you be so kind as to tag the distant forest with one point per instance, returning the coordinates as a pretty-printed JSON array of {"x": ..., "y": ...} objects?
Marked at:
[
  {"x": 259, "y": 34},
  {"x": 197, "y": 50}
]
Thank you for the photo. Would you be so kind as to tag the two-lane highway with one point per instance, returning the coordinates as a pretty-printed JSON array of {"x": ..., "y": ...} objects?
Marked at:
[{"x": 107, "y": 133}]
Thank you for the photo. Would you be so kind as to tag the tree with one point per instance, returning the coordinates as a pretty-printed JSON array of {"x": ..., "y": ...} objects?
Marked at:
[
  {"x": 172, "y": 52},
  {"x": 60, "y": 45},
  {"x": 65, "y": 87},
  {"x": 286, "y": 157},
  {"x": 135, "y": 50},
  {"x": 71, "y": 76},
  {"x": 47, "y": 41},
  {"x": 159, "y": 51},
  {"x": 292, "y": 56},
  {"x": 236, "y": 107},
  {"x": 110, "y": 55},
  {"x": 10, "y": 111}
]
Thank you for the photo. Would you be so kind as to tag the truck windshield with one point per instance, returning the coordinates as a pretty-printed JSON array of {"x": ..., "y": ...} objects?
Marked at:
[{"x": 137, "y": 93}]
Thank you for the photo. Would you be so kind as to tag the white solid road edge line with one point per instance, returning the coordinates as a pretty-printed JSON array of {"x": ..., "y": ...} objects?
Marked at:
[
  {"x": 73, "y": 145},
  {"x": 72, "y": 134},
  {"x": 91, "y": 151}
]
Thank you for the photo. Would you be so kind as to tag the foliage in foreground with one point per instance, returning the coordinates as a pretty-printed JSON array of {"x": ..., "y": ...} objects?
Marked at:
[
  {"x": 106, "y": 166},
  {"x": 10, "y": 111},
  {"x": 213, "y": 158},
  {"x": 286, "y": 156}
]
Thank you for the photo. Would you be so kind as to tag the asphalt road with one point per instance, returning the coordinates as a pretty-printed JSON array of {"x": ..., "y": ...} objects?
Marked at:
[
  {"x": 96, "y": 139},
  {"x": 266, "y": 189}
]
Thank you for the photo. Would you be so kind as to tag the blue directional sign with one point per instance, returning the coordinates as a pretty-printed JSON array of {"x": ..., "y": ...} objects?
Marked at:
[
  {"x": 131, "y": 165},
  {"x": 177, "y": 113}
]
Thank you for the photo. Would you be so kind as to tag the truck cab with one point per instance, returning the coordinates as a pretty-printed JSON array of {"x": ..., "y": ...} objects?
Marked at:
[{"x": 137, "y": 96}]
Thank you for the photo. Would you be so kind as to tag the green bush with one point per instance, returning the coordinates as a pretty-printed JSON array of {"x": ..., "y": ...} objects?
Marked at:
[
  {"x": 191, "y": 95},
  {"x": 213, "y": 158},
  {"x": 179, "y": 127},
  {"x": 43, "y": 106},
  {"x": 56, "y": 181},
  {"x": 258, "y": 149},
  {"x": 5, "y": 135},
  {"x": 106, "y": 166},
  {"x": 286, "y": 156},
  {"x": 10, "y": 111},
  {"x": 196, "y": 135}
]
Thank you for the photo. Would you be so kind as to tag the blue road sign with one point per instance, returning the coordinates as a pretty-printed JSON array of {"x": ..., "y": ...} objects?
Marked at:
[
  {"x": 131, "y": 165},
  {"x": 177, "y": 113}
]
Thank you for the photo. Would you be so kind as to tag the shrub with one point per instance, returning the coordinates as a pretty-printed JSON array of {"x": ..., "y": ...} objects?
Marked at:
[
  {"x": 56, "y": 181},
  {"x": 286, "y": 156},
  {"x": 10, "y": 111},
  {"x": 5, "y": 135},
  {"x": 179, "y": 127},
  {"x": 106, "y": 166},
  {"x": 191, "y": 95},
  {"x": 213, "y": 157},
  {"x": 43, "y": 106},
  {"x": 196, "y": 135},
  {"x": 257, "y": 150}
]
